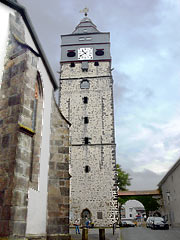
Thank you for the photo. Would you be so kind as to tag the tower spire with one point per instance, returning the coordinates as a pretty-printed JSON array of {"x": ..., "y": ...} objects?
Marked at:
[{"x": 85, "y": 11}]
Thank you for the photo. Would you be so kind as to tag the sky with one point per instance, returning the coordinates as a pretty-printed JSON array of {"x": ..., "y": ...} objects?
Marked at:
[{"x": 145, "y": 50}]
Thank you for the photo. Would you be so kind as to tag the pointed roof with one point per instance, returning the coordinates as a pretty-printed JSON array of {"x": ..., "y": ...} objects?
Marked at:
[{"x": 85, "y": 26}]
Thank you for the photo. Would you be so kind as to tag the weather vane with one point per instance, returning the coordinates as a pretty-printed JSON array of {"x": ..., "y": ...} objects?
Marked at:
[{"x": 85, "y": 11}]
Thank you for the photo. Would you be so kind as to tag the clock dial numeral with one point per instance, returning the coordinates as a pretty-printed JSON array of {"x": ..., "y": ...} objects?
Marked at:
[{"x": 85, "y": 53}]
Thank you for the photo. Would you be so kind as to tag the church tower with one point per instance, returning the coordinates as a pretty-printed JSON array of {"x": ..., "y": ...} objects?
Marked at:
[{"x": 86, "y": 100}]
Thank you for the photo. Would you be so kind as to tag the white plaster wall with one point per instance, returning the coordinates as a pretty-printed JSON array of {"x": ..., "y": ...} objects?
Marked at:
[
  {"x": 171, "y": 188},
  {"x": 37, "y": 200},
  {"x": 131, "y": 204},
  {"x": 4, "y": 30}
]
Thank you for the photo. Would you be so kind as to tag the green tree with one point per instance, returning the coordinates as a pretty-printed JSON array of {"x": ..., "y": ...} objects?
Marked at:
[
  {"x": 123, "y": 178},
  {"x": 150, "y": 203}
]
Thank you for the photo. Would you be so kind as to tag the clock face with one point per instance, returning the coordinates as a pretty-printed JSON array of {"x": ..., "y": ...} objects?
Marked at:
[{"x": 85, "y": 53}]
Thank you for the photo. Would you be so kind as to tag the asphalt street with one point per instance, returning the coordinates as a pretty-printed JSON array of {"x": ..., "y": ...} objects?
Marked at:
[
  {"x": 142, "y": 233},
  {"x": 137, "y": 233}
]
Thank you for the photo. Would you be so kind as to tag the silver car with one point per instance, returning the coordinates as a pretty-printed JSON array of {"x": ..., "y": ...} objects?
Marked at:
[{"x": 149, "y": 222}]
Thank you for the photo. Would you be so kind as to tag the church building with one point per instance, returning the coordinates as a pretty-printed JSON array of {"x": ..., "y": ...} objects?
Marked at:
[
  {"x": 86, "y": 100},
  {"x": 34, "y": 136}
]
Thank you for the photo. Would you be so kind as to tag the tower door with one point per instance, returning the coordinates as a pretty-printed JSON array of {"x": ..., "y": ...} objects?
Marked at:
[{"x": 86, "y": 215}]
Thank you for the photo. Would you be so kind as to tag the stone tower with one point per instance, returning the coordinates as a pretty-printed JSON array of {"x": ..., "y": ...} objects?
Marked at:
[{"x": 86, "y": 100}]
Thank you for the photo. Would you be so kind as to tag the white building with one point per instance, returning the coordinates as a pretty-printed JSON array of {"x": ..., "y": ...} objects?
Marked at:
[
  {"x": 131, "y": 209},
  {"x": 170, "y": 188}
]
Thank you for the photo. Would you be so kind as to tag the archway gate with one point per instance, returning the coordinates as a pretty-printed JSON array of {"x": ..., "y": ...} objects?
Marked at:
[{"x": 151, "y": 199}]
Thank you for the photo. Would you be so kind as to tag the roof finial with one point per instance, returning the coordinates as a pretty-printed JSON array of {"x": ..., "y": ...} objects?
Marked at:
[{"x": 85, "y": 11}]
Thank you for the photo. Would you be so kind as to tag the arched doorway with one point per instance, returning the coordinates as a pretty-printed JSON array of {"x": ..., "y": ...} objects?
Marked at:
[
  {"x": 85, "y": 215},
  {"x": 133, "y": 210}
]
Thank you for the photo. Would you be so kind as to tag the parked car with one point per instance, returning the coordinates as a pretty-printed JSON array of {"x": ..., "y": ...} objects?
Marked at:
[
  {"x": 149, "y": 222},
  {"x": 127, "y": 223},
  {"x": 159, "y": 223}
]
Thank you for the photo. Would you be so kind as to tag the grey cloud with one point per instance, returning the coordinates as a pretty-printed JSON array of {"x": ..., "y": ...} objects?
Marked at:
[{"x": 146, "y": 180}]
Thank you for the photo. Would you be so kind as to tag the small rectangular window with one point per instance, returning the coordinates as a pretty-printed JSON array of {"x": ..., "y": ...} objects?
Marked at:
[
  {"x": 86, "y": 120},
  {"x": 99, "y": 215},
  {"x": 96, "y": 63},
  {"x": 86, "y": 140},
  {"x": 85, "y": 100}
]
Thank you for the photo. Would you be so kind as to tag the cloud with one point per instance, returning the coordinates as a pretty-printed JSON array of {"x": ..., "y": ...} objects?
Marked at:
[
  {"x": 145, "y": 180},
  {"x": 154, "y": 147}
]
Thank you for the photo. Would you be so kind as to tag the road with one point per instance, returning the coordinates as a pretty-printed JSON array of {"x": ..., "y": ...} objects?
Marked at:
[{"x": 142, "y": 233}]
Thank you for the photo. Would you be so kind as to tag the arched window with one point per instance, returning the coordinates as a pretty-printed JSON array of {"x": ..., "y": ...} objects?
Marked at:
[
  {"x": 37, "y": 127},
  {"x": 85, "y": 84}
]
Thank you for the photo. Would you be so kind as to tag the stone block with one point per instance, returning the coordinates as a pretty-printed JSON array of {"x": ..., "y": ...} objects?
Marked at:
[
  {"x": 53, "y": 191},
  {"x": 5, "y": 140},
  {"x": 58, "y": 142},
  {"x": 18, "y": 213},
  {"x": 17, "y": 197},
  {"x": 14, "y": 100},
  {"x": 3, "y": 183},
  {"x": 4, "y": 228},
  {"x": 64, "y": 191},
  {"x": 62, "y": 166},
  {"x": 62, "y": 183},
  {"x": 6, "y": 213},
  {"x": 63, "y": 150},
  {"x": 1, "y": 197},
  {"x": 8, "y": 197},
  {"x": 18, "y": 228},
  {"x": 52, "y": 165},
  {"x": 21, "y": 183},
  {"x": 53, "y": 229}
]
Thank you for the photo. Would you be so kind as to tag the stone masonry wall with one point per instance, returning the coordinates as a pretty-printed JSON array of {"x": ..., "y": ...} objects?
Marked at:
[
  {"x": 92, "y": 165},
  {"x": 59, "y": 178},
  {"x": 16, "y": 110}
]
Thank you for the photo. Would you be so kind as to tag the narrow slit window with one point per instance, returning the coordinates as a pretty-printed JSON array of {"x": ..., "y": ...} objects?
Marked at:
[
  {"x": 87, "y": 169},
  {"x": 72, "y": 64},
  {"x": 86, "y": 140},
  {"x": 86, "y": 120},
  {"x": 85, "y": 100},
  {"x": 96, "y": 64}
]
